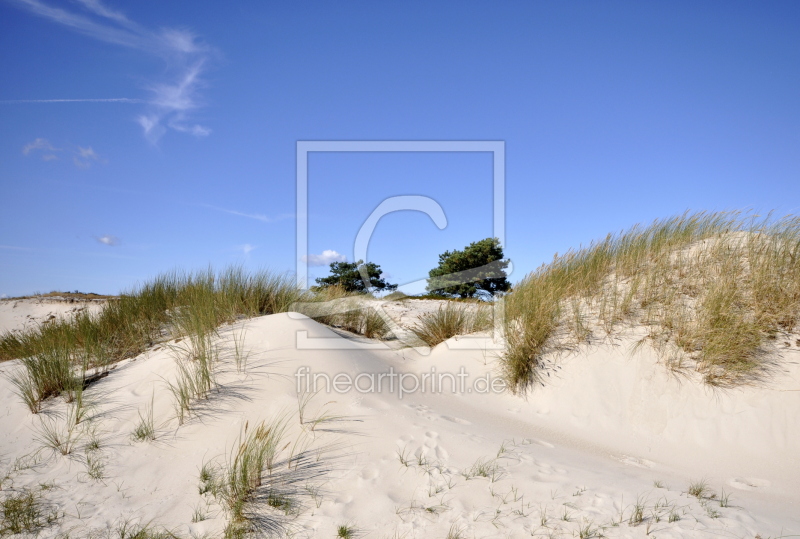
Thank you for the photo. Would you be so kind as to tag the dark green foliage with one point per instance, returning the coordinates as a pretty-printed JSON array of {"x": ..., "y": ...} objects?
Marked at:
[
  {"x": 480, "y": 263},
  {"x": 347, "y": 275}
]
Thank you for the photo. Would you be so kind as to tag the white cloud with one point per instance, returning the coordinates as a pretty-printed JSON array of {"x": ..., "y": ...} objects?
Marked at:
[
  {"x": 171, "y": 101},
  {"x": 196, "y": 130},
  {"x": 108, "y": 240},
  {"x": 39, "y": 144},
  {"x": 324, "y": 259},
  {"x": 84, "y": 157},
  {"x": 103, "y": 11},
  {"x": 247, "y": 248},
  {"x": 87, "y": 153}
]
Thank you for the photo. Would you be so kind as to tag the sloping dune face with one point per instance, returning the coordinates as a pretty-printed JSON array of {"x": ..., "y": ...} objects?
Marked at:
[
  {"x": 713, "y": 293},
  {"x": 302, "y": 432}
]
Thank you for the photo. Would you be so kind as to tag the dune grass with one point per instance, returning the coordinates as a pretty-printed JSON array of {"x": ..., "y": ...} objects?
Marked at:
[
  {"x": 21, "y": 513},
  {"x": 452, "y": 319},
  {"x": 172, "y": 305},
  {"x": 711, "y": 288},
  {"x": 350, "y": 311},
  {"x": 146, "y": 428},
  {"x": 236, "y": 483}
]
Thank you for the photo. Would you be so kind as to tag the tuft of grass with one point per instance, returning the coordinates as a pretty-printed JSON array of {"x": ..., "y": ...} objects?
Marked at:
[
  {"x": 711, "y": 288},
  {"x": 240, "y": 356},
  {"x": 207, "y": 479},
  {"x": 21, "y": 513},
  {"x": 346, "y": 531},
  {"x": 244, "y": 473},
  {"x": 456, "y": 532},
  {"x": 133, "y": 530},
  {"x": 47, "y": 373},
  {"x": 587, "y": 531},
  {"x": 26, "y": 389},
  {"x": 94, "y": 442},
  {"x": 698, "y": 489},
  {"x": 483, "y": 468},
  {"x": 199, "y": 514},
  {"x": 403, "y": 456},
  {"x": 195, "y": 378},
  {"x": 95, "y": 467},
  {"x": 450, "y": 320},
  {"x": 58, "y": 437},
  {"x": 146, "y": 428},
  {"x": 637, "y": 513}
]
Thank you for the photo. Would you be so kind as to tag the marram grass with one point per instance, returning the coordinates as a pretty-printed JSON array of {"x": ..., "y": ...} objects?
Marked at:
[
  {"x": 171, "y": 305},
  {"x": 453, "y": 319},
  {"x": 711, "y": 288}
]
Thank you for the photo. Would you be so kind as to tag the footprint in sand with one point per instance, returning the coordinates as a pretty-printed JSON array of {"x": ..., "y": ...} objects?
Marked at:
[
  {"x": 635, "y": 461},
  {"x": 423, "y": 411},
  {"x": 344, "y": 498},
  {"x": 430, "y": 439},
  {"x": 369, "y": 472},
  {"x": 749, "y": 483},
  {"x": 432, "y": 442}
]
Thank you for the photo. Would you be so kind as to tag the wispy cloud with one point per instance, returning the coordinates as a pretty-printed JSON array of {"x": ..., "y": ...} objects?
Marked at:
[
  {"x": 247, "y": 248},
  {"x": 257, "y": 216},
  {"x": 39, "y": 144},
  {"x": 171, "y": 102},
  {"x": 324, "y": 259},
  {"x": 81, "y": 157},
  {"x": 84, "y": 157},
  {"x": 103, "y": 100},
  {"x": 107, "y": 239}
]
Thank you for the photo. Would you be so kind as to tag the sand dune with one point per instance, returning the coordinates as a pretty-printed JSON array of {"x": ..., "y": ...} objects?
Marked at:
[
  {"x": 608, "y": 445},
  {"x": 22, "y": 314}
]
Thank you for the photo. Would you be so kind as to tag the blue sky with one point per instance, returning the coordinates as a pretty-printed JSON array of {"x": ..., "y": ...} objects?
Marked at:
[{"x": 144, "y": 136}]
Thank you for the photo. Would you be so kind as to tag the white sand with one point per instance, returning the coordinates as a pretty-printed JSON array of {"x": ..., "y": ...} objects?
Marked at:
[
  {"x": 586, "y": 446},
  {"x": 20, "y": 314}
]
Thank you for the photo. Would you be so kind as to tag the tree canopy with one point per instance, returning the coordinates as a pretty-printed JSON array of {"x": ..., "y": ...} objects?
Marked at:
[
  {"x": 346, "y": 275},
  {"x": 478, "y": 268}
]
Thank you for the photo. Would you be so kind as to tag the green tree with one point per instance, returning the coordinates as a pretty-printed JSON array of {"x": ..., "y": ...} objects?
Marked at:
[
  {"x": 347, "y": 275},
  {"x": 479, "y": 268}
]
